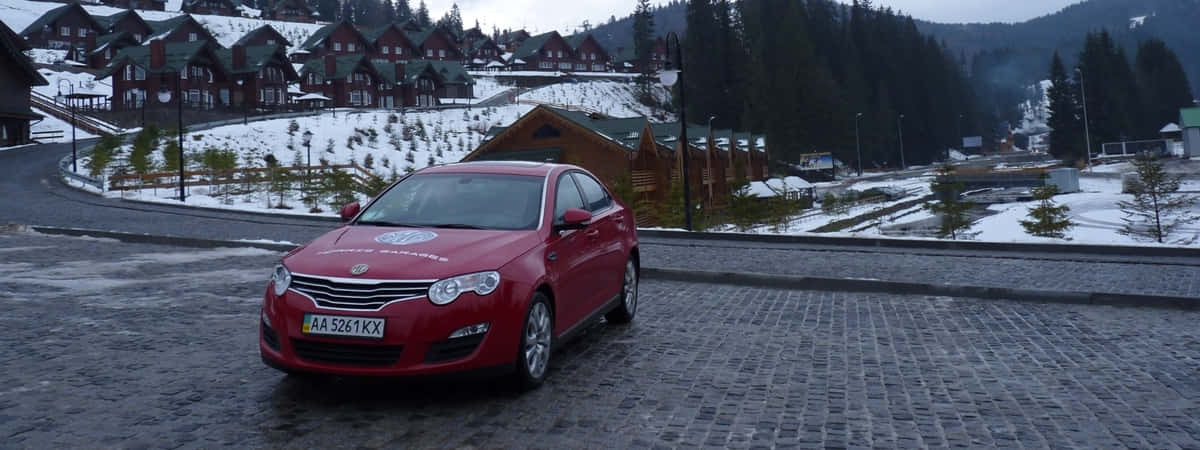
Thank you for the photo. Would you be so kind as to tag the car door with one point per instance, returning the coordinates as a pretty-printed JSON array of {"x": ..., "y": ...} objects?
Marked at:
[
  {"x": 604, "y": 239},
  {"x": 568, "y": 258}
]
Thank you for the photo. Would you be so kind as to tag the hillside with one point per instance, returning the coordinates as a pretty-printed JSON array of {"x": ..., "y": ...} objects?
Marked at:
[{"x": 1033, "y": 42}]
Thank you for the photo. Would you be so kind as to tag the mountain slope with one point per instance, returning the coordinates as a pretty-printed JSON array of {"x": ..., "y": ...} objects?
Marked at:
[{"x": 1033, "y": 42}]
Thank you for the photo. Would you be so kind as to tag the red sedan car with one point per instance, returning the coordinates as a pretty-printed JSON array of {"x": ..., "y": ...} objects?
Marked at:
[{"x": 457, "y": 268}]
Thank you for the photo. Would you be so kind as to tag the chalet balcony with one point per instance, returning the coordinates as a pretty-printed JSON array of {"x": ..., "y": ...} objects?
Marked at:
[{"x": 644, "y": 181}]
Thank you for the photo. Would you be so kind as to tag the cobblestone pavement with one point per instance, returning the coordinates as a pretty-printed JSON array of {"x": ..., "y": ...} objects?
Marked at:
[
  {"x": 1175, "y": 276},
  {"x": 126, "y": 345}
]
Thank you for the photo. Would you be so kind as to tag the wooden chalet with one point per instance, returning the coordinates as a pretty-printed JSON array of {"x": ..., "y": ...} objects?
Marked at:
[
  {"x": 544, "y": 52},
  {"x": 391, "y": 43},
  {"x": 415, "y": 84},
  {"x": 512, "y": 40},
  {"x": 149, "y": 5},
  {"x": 484, "y": 54},
  {"x": 264, "y": 35},
  {"x": 611, "y": 148},
  {"x": 338, "y": 38},
  {"x": 68, "y": 27},
  {"x": 259, "y": 76},
  {"x": 127, "y": 21},
  {"x": 190, "y": 68},
  {"x": 347, "y": 80},
  {"x": 17, "y": 79},
  {"x": 589, "y": 55},
  {"x": 435, "y": 44},
  {"x": 180, "y": 29},
  {"x": 108, "y": 46},
  {"x": 625, "y": 59},
  {"x": 290, "y": 11},
  {"x": 211, "y": 7},
  {"x": 456, "y": 82}
]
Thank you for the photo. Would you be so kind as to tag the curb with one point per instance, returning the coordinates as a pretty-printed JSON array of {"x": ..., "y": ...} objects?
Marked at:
[
  {"x": 909, "y": 288},
  {"x": 236, "y": 211},
  {"x": 736, "y": 278},
  {"x": 160, "y": 240},
  {"x": 1017, "y": 247}
]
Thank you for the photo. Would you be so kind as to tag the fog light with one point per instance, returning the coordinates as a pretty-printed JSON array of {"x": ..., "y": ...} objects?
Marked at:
[
  {"x": 472, "y": 330},
  {"x": 267, "y": 320}
]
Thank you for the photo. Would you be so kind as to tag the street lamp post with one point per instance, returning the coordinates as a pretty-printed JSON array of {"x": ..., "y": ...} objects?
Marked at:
[
  {"x": 308, "y": 171},
  {"x": 1087, "y": 135},
  {"x": 74, "y": 155},
  {"x": 164, "y": 96},
  {"x": 245, "y": 103},
  {"x": 669, "y": 77},
  {"x": 958, "y": 140},
  {"x": 900, "y": 127},
  {"x": 858, "y": 142}
]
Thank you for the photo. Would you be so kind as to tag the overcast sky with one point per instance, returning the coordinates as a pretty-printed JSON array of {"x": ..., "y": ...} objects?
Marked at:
[{"x": 565, "y": 15}]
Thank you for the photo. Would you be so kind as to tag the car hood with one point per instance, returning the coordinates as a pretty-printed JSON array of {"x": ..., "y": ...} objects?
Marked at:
[{"x": 409, "y": 253}]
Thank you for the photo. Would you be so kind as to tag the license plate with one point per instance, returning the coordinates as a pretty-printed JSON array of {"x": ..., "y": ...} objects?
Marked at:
[{"x": 342, "y": 326}]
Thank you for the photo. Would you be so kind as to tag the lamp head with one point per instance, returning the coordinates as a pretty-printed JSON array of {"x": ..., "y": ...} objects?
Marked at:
[
  {"x": 164, "y": 95},
  {"x": 668, "y": 77}
]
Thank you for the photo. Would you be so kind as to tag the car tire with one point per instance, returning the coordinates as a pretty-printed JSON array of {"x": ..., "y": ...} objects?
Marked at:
[
  {"x": 627, "y": 308},
  {"x": 533, "y": 351}
]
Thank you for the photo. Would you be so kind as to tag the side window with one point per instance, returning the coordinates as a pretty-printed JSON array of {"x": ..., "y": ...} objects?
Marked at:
[
  {"x": 597, "y": 198},
  {"x": 566, "y": 197}
]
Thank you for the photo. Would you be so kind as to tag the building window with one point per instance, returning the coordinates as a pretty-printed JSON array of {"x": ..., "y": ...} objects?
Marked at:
[
  {"x": 581, "y": 67},
  {"x": 560, "y": 55},
  {"x": 399, "y": 51},
  {"x": 350, "y": 47},
  {"x": 138, "y": 37},
  {"x": 429, "y": 53},
  {"x": 192, "y": 37},
  {"x": 564, "y": 66},
  {"x": 139, "y": 73},
  {"x": 386, "y": 50},
  {"x": 83, "y": 32},
  {"x": 270, "y": 42},
  {"x": 194, "y": 96},
  {"x": 546, "y": 65},
  {"x": 441, "y": 53},
  {"x": 356, "y": 98},
  {"x": 337, "y": 46},
  {"x": 65, "y": 31},
  {"x": 183, "y": 73}
]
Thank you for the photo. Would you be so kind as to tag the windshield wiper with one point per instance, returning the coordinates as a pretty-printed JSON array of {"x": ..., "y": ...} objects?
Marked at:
[
  {"x": 384, "y": 223},
  {"x": 461, "y": 226}
]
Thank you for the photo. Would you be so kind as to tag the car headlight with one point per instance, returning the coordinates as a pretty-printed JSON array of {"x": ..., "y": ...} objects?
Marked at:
[
  {"x": 281, "y": 278},
  {"x": 445, "y": 291}
]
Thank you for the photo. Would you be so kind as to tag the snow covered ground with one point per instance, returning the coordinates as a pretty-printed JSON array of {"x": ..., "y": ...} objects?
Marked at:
[
  {"x": 416, "y": 140},
  {"x": 51, "y": 123},
  {"x": 614, "y": 99},
  {"x": 82, "y": 82}
]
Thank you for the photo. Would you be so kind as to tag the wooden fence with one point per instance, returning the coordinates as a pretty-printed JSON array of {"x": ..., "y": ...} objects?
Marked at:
[{"x": 361, "y": 176}]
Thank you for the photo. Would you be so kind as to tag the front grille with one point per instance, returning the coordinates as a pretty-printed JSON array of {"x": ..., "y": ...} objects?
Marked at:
[
  {"x": 452, "y": 349},
  {"x": 362, "y": 295},
  {"x": 347, "y": 354},
  {"x": 270, "y": 337}
]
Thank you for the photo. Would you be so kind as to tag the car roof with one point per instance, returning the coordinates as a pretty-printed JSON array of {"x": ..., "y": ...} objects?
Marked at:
[{"x": 498, "y": 167}]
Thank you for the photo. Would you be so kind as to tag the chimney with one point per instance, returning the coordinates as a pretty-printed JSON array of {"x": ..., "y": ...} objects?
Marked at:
[
  {"x": 400, "y": 74},
  {"x": 158, "y": 54},
  {"x": 239, "y": 56},
  {"x": 330, "y": 65}
]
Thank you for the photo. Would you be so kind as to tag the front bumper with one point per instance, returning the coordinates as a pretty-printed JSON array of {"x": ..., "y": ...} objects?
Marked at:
[{"x": 415, "y": 342}]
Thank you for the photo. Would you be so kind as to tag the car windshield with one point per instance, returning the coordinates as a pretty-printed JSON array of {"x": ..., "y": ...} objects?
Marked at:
[{"x": 460, "y": 200}]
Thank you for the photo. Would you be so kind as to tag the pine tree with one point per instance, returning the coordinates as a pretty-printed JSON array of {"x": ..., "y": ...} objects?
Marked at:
[
  {"x": 1157, "y": 209},
  {"x": 387, "y": 13},
  {"x": 1065, "y": 122},
  {"x": 403, "y": 10},
  {"x": 643, "y": 45},
  {"x": 1047, "y": 219},
  {"x": 1163, "y": 85},
  {"x": 953, "y": 211},
  {"x": 102, "y": 154},
  {"x": 422, "y": 15}
]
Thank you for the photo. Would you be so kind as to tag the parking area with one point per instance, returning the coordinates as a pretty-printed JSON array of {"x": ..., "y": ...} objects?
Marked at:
[{"x": 114, "y": 344}]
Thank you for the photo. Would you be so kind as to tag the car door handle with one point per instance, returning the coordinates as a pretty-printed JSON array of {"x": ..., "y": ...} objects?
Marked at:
[{"x": 593, "y": 234}]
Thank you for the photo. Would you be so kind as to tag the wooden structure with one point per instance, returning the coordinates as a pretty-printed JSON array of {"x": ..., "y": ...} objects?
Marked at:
[{"x": 17, "y": 78}]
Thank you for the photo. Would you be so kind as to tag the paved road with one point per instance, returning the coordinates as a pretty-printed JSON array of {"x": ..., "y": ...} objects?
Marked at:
[
  {"x": 31, "y": 193},
  {"x": 133, "y": 345}
]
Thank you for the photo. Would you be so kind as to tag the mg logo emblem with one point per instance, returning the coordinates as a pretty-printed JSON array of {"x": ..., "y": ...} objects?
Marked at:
[
  {"x": 359, "y": 269},
  {"x": 406, "y": 237}
]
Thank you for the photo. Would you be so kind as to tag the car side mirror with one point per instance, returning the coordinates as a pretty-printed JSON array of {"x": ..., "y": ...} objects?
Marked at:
[
  {"x": 575, "y": 219},
  {"x": 349, "y": 211}
]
